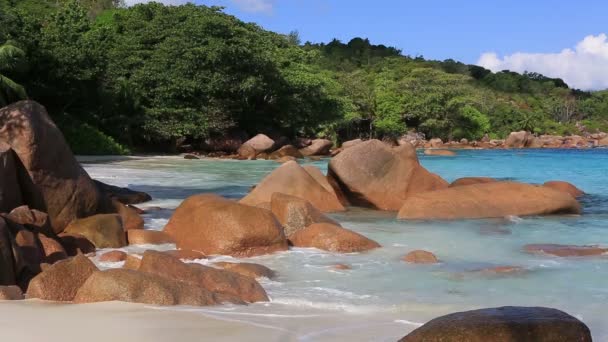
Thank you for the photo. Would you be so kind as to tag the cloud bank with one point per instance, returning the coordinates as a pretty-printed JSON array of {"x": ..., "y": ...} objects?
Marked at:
[
  {"x": 255, "y": 6},
  {"x": 584, "y": 67}
]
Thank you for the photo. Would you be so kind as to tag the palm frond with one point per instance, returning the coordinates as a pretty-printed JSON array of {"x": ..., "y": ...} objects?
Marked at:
[{"x": 10, "y": 91}]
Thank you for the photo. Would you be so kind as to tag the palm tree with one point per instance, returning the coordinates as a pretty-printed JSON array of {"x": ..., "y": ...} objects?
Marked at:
[{"x": 11, "y": 60}]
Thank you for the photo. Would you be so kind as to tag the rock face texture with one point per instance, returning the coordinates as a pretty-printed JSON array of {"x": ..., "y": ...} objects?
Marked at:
[
  {"x": 504, "y": 324},
  {"x": 519, "y": 139},
  {"x": 51, "y": 179},
  {"x": 61, "y": 281},
  {"x": 295, "y": 213},
  {"x": 292, "y": 179},
  {"x": 471, "y": 180},
  {"x": 214, "y": 225},
  {"x": 488, "y": 200},
  {"x": 420, "y": 257},
  {"x": 332, "y": 238},
  {"x": 373, "y": 174},
  {"x": 565, "y": 187},
  {"x": 103, "y": 230},
  {"x": 318, "y": 147}
]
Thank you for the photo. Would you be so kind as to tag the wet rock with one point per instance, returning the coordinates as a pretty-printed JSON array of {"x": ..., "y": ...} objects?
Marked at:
[
  {"x": 186, "y": 254},
  {"x": 332, "y": 238},
  {"x": 123, "y": 195},
  {"x": 51, "y": 177},
  {"x": 212, "y": 279},
  {"x": 113, "y": 256},
  {"x": 291, "y": 179},
  {"x": 420, "y": 257},
  {"x": 504, "y": 324},
  {"x": 472, "y": 180},
  {"x": 285, "y": 159},
  {"x": 342, "y": 267},
  {"x": 76, "y": 243},
  {"x": 126, "y": 286},
  {"x": 566, "y": 250},
  {"x": 295, "y": 213},
  {"x": 247, "y": 269},
  {"x": 103, "y": 230},
  {"x": 488, "y": 200},
  {"x": 286, "y": 151},
  {"x": 214, "y": 225},
  {"x": 372, "y": 174},
  {"x": 191, "y": 157},
  {"x": 129, "y": 215},
  {"x": 148, "y": 237},
  {"x": 247, "y": 152},
  {"x": 61, "y": 281},
  {"x": 565, "y": 187}
]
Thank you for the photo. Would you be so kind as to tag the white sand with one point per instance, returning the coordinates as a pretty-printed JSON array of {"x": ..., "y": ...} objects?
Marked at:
[{"x": 34, "y": 320}]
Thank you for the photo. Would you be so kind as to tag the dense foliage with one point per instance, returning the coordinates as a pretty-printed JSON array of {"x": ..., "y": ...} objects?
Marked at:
[{"x": 151, "y": 75}]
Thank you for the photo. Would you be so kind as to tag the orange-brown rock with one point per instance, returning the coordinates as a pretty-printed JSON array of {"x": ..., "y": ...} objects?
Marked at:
[
  {"x": 435, "y": 143},
  {"x": 131, "y": 219},
  {"x": 186, "y": 254},
  {"x": 471, "y": 180},
  {"x": 132, "y": 262},
  {"x": 61, "y": 281},
  {"x": 329, "y": 237},
  {"x": 444, "y": 153},
  {"x": 295, "y": 213},
  {"x": 565, "y": 187},
  {"x": 247, "y": 269},
  {"x": 52, "y": 250},
  {"x": 103, "y": 230},
  {"x": 260, "y": 143},
  {"x": 504, "y": 324},
  {"x": 318, "y": 147},
  {"x": 566, "y": 250},
  {"x": 212, "y": 279},
  {"x": 31, "y": 218},
  {"x": 316, "y": 173},
  {"x": 214, "y": 225},
  {"x": 10, "y": 293},
  {"x": 148, "y": 237},
  {"x": 500, "y": 270},
  {"x": 286, "y": 151},
  {"x": 420, "y": 257},
  {"x": 113, "y": 256},
  {"x": 351, "y": 143},
  {"x": 487, "y": 200},
  {"x": 519, "y": 139},
  {"x": 53, "y": 180},
  {"x": 291, "y": 179},
  {"x": 127, "y": 285},
  {"x": 10, "y": 191},
  {"x": 285, "y": 159},
  {"x": 247, "y": 152},
  {"x": 76, "y": 243},
  {"x": 342, "y": 267},
  {"x": 375, "y": 175},
  {"x": 29, "y": 246}
]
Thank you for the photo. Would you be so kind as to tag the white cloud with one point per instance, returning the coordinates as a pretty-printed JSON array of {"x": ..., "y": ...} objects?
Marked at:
[
  {"x": 255, "y": 6},
  {"x": 584, "y": 67}
]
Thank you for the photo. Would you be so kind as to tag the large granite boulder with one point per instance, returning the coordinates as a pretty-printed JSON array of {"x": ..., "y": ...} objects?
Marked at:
[
  {"x": 10, "y": 192},
  {"x": 565, "y": 187},
  {"x": 260, "y": 143},
  {"x": 373, "y": 174},
  {"x": 285, "y": 151},
  {"x": 51, "y": 179},
  {"x": 127, "y": 285},
  {"x": 332, "y": 238},
  {"x": 61, "y": 281},
  {"x": 123, "y": 195},
  {"x": 291, "y": 179},
  {"x": 504, "y": 324},
  {"x": 295, "y": 213},
  {"x": 214, "y": 225},
  {"x": 103, "y": 230},
  {"x": 519, "y": 139},
  {"x": 214, "y": 280},
  {"x": 488, "y": 200}
]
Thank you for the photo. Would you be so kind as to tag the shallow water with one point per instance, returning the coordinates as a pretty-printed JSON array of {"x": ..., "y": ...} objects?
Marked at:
[{"x": 381, "y": 290}]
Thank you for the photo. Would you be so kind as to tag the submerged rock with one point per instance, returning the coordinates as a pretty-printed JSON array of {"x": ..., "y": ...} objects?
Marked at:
[
  {"x": 332, "y": 238},
  {"x": 291, "y": 179},
  {"x": 420, "y": 257},
  {"x": 504, "y": 324},
  {"x": 372, "y": 174},
  {"x": 444, "y": 153},
  {"x": 566, "y": 250},
  {"x": 247, "y": 269},
  {"x": 487, "y": 200},
  {"x": 214, "y": 225}
]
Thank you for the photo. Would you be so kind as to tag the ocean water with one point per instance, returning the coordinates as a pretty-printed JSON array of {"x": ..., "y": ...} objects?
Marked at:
[{"x": 383, "y": 294}]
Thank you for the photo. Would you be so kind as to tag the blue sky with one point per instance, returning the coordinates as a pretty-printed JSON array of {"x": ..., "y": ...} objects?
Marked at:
[{"x": 513, "y": 34}]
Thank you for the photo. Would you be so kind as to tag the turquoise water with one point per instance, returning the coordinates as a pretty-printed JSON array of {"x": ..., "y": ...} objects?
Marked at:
[{"x": 390, "y": 291}]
